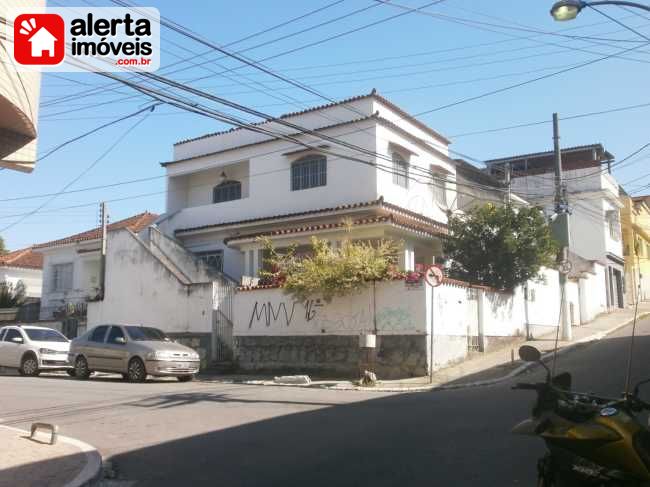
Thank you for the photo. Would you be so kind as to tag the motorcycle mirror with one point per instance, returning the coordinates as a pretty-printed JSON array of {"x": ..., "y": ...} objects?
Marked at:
[{"x": 529, "y": 354}]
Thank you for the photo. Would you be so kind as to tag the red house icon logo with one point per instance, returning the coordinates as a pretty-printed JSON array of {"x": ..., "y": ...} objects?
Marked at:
[{"x": 39, "y": 39}]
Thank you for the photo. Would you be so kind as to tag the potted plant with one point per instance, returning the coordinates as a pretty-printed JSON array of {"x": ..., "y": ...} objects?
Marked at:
[{"x": 11, "y": 298}]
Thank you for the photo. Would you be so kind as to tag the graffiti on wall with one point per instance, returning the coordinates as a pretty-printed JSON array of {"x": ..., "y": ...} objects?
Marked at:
[{"x": 327, "y": 317}]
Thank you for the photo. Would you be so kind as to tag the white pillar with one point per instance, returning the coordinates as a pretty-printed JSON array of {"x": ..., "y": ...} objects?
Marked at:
[
  {"x": 256, "y": 263},
  {"x": 407, "y": 261}
]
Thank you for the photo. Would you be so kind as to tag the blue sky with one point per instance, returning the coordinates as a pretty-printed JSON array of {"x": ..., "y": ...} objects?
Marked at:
[{"x": 434, "y": 63}]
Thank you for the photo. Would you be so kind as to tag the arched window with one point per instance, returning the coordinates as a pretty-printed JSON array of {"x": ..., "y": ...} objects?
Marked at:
[
  {"x": 400, "y": 171},
  {"x": 226, "y": 191},
  {"x": 309, "y": 172}
]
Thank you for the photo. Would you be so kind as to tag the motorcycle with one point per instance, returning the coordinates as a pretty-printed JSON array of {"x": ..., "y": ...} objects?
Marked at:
[{"x": 591, "y": 440}]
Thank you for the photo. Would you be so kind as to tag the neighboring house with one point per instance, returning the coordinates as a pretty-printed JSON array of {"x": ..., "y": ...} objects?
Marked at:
[
  {"x": 228, "y": 188},
  {"x": 476, "y": 187},
  {"x": 23, "y": 265},
  {"x": 19, "y": 100},
  {"x": 42, "y": 41},
  {"x": 593, "y": 196},
  {"x": 71, "y": 270},
  {"x": 635, "y": 221}
]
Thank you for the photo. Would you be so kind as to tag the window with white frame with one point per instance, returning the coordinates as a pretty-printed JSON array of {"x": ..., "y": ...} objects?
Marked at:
[
  {"x": 309, "y": 172},
  {"x": 226, "y": 191},
  {"x": 614, "y": 224},
  {"x": 439, "y": 181},
  {"x": 62, "y": 277},
  {"x": 400, "y": 170}
]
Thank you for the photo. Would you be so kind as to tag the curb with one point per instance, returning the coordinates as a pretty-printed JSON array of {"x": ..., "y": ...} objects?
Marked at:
[
  {"x": 91, "y": 471},
  {"x": 426, "y": 388},
  {"x": 513, "y": 373}
]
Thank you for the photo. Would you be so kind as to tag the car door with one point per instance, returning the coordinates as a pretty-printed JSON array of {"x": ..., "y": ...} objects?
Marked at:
[
  {"x": 94, "y": 349},
  {"x": 13, "y": 350},
  {"x": 116, "y": 354}
]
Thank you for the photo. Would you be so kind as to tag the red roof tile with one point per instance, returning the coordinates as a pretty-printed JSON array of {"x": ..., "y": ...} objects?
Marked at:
[
  {"x": 134, "y": 223},
  {"x": 24, "y": 258},
  {"x": 390, "y": 219}
]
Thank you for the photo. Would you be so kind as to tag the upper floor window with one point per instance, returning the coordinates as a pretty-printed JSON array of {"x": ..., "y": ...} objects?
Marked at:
[
  {"x": 614, "y": 224},
  {"x": 440, "y": 188},
  {"x": 309, "y": 172},
  {"x": 400, "y": 171},
  {"x": 226, "y": 191},
  {"x": 62, "y": 277}
]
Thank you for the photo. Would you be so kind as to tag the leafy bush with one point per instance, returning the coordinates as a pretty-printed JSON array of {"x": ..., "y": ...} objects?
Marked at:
[
  {"x": 12, "y": 296},
  {"x": 499, "y": 246},
  {"x": 328, "y": 271}
]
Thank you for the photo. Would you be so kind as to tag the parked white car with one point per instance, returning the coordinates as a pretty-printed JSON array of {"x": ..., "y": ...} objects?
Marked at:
[{"x": 34, "y": 349}]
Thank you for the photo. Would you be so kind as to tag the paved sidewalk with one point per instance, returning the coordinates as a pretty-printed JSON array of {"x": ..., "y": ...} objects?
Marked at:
[
  {"x": 481, "y": 368},
  {"x": 34, "y": 462}
]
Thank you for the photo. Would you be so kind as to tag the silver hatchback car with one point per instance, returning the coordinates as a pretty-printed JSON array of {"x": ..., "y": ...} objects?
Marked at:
[{"x": 133, "y": 351}]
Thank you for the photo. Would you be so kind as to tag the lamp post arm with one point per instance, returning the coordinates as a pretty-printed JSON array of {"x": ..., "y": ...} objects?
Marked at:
[{"x": 617, "y": 2}]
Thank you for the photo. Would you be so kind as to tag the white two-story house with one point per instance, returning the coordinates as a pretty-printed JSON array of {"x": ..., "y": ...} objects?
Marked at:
[
  {"x": 362, "y": 159},
  {"x": 593, "y": 197}
]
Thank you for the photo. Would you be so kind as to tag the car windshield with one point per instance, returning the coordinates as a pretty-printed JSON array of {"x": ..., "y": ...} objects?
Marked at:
[
  {"x": 142, "y": 333},
  {"x": 44, "y": 335}
]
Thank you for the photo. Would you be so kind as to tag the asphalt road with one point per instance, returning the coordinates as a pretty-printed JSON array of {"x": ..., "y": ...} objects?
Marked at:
[{"x": 163, "y": 433}]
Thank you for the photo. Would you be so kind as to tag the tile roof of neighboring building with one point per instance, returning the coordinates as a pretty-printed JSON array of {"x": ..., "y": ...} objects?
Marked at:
[
  {"x": 390, "y": 219},
  {"x": 134, "y": 223},
  {"x": 24, "y": 258},
  {"x": 352, "y": 99},
  {"x": 533, "y": 155},
  {"x": 334, "y": 209}
]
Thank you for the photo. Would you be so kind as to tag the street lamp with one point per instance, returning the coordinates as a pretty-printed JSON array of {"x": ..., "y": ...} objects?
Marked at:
[{"x": 569, "y": 9}]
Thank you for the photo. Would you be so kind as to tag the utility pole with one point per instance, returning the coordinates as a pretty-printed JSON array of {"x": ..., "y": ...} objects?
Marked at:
[
  {"x": 508, "y": 183},
  {"x": 103, "y": 216},
  {"x": 561, "y": 231}
]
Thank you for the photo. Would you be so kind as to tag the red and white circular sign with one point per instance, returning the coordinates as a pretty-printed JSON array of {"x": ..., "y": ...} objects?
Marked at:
[{"x": 433, "y": 276}]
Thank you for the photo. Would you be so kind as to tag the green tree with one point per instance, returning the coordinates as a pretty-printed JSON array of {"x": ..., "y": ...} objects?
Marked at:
[
  {"x": 3, "y": 249},
  {"x": 12, "y": 296},
  {"x": 499, "y": 246},
  {"x": 329, "y": 271}
]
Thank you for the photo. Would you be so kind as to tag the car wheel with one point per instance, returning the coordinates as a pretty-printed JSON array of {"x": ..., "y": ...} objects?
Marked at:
[
  {"x": 29, "y": 366},
  {"x": 136, "y": 371},
  {"x": 81, "y": 370},
  {"x": 185, "y": 378},
  {"x": 70, "y": 372}
]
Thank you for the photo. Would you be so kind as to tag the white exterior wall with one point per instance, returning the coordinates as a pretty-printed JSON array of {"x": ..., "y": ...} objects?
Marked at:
[
  {"x": 272, "y": 312},
  {"x": 419, "y": 196},
  {"x": 269, "y": 183},
  {"x": 85, "y": 276},
  {"x": 145, "y": 292},
  {"x": 593, "y": 297},
  {"x": 31, "y": 278}
]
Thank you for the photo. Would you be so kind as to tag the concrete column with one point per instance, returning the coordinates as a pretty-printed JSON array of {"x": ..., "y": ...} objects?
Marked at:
[
  {"x": 406, "y": 259},
  {"x": 257, "y": 262}
]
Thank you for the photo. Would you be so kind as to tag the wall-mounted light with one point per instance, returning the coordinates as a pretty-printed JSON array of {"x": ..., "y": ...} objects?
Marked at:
[{"x": 223, "y": 177}]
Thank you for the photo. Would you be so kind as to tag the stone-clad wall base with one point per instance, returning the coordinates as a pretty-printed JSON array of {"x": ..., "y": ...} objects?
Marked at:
[
  {"x": 200, "y": 342},
  {"x": 398, "y": 356}
]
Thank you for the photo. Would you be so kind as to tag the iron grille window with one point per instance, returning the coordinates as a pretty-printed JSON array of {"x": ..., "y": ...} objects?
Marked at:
[
  {"x": 214, "y": 260},
  {"x": 226, "y": 191},
  {"x": 440, "y": 188},
  {"x": 62, "y": 277},
  {"x": 308, "y": 172},
  {"x": 400, "y": 171}
]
